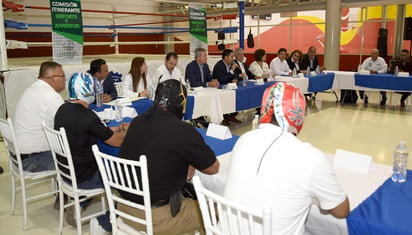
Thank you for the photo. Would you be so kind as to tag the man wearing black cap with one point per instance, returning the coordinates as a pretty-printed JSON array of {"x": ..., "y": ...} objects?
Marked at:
[{"x": 173, "y": 148}]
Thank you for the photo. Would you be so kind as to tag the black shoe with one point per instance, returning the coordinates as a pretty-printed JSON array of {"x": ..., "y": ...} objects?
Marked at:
[
  {"x": 365, "y": 100},
  {"x": 1, "y": 170},
  {"x": 202, "y": 124}
]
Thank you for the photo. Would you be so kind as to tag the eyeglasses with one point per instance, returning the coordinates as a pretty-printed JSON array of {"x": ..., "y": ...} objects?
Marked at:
[
  {"x": 59, "y": 76},
  {"x": 296, "y": 55}
]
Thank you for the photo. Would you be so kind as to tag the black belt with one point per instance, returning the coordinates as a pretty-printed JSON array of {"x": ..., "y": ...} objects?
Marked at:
[
  {"x": 24, "y": 156},
  {"x": 160, "y": 203}
]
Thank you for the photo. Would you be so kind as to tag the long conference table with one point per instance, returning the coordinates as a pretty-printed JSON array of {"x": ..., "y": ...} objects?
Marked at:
[
  {"x": 356, "y": 81},
  {"x": 214, "y": 102},
  {"x": 378, "y": 205}
]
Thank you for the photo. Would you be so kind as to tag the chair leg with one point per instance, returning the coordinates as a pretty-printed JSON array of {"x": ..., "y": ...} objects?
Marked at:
[
  {"x": 13, "y": 194},
  {"x": 78, "y": 215},
  {"x": 61, "y": 212},
  {"x": 24, "y": 202}
]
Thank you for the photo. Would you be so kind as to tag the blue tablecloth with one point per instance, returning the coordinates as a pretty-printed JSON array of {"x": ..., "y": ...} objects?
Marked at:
[
  {"x": 384, "y": 82},
  {"x": 218, "y": 146},
  {"x": 250, "y": 96},
  {"x": 140, "y": 105},
  {"x": 387, "y": 211},
  {"x": 321, "y": 82},
  {"x": 143, "y": 105}
]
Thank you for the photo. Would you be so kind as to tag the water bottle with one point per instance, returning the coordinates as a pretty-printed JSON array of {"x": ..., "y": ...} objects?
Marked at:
[
  {"x": 317, "y": 70},
  {"x": 244, "y": 81},
  {"x": 295, "y": 72},
  {"x": 118, "y": 109},
  {"x": 308, "y": 71},
  {"x": 400, "y": 162},
  {"x": 396, "y": 71},
  {"x": 255, "y": 122},
  {"x": 99, "y": 94}
]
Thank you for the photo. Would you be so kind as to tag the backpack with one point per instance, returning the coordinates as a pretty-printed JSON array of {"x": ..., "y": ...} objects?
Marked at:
[{"x": 348, "y": 96}]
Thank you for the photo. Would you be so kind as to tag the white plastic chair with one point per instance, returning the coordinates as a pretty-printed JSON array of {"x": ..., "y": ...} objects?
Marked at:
[
  {"x": 122, "y": 174},
  {"x": 59, "y": 145},
  {"x": 19, "y": 176},
  {"x": 223, "y": 216}
]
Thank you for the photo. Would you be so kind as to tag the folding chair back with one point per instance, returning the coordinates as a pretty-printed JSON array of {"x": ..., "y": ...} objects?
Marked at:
[
  {"x": 66, "y": 177},
  {"x": 19, "y": 176},
  {"x": 223, "y": 216},
  {"x": 123, "y": 174}
]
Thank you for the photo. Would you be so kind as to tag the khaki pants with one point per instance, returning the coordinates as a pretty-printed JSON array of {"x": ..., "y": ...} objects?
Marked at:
[{"x": 189, "y": 219}]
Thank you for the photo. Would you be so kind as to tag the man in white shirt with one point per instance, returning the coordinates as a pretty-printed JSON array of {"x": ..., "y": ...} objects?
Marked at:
[
  {"x": 375, "y": 64},
  {"x": 38, "y": 103},
  {"x": 167, "y": 71},
  {"x": 270, "y": 166},
  {"x": 279, "y": 66}
]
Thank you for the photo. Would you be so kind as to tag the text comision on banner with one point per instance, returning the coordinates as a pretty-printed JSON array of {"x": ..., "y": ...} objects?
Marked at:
[
  {"x": 67, "y": 31},
  {"x": 198, "y": 28}
]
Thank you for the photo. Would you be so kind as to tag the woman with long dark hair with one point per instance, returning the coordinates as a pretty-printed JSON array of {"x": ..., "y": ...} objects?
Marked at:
[{"x": 136, "y": 80}]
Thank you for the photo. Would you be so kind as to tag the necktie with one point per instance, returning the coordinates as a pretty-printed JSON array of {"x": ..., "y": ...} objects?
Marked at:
[{"x": 201, "y": 74}]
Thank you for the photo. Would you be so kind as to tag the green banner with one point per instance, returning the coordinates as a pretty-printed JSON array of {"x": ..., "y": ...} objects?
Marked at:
[
  {"x": 66, "y": 18},
  {"x": 198, "y": 27}
]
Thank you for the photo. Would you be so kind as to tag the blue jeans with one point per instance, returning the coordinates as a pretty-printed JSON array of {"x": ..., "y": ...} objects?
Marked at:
[
  {"x": 92, "y": 183},
  {"x": 40, "y": 161}
]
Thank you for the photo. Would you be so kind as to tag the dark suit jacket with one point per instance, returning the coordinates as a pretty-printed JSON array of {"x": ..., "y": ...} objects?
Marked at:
[
  {"x": 238, "y": 71},
  {"x": 222, "y": 75},
  {"x": 108, "y": 87},
  {"x": 292, "y": 65},
  {"x": 306, "y": 63},
  {"x": 192, "y": 74}
]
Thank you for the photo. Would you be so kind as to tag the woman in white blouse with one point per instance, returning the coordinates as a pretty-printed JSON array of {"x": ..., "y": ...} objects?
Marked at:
[
  {"x": 259, "y": 67},
  {"x": 135, "y": 81}
]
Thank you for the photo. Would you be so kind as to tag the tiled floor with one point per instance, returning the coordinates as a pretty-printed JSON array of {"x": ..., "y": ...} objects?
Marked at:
[{"x": 329, "y": 126}]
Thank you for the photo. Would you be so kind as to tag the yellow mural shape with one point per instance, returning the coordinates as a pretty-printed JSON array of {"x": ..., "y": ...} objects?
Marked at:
[{"x": 370, "y": 13}]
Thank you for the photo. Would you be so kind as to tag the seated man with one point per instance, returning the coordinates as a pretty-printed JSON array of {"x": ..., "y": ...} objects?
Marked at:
[
  {"x": 270, "y": 166},
  {"x": 173, "y": 148},
  {"x": 310, "y": 60},
  {"x": 38, "y": 103},
  {"x": 242, "y": 70},
  {"x": 198, "y": 74},
  {"x": 100, "y": 71},
  {"x": 374, "y": 64},
  {"x": 279, "y": 66},
  {"x": 404, "y": 65},
  {"x": 168, "y": 70},
  {"x": 83, "y": 128},
  {"x": 224, "y": 72}
]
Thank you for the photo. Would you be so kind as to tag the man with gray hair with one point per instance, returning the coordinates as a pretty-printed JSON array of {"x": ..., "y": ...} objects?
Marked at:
[
  {"x": 374, "y": 64},
  {"x": 198, "y": 72},
  {"x": 242, "y": 70}
]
